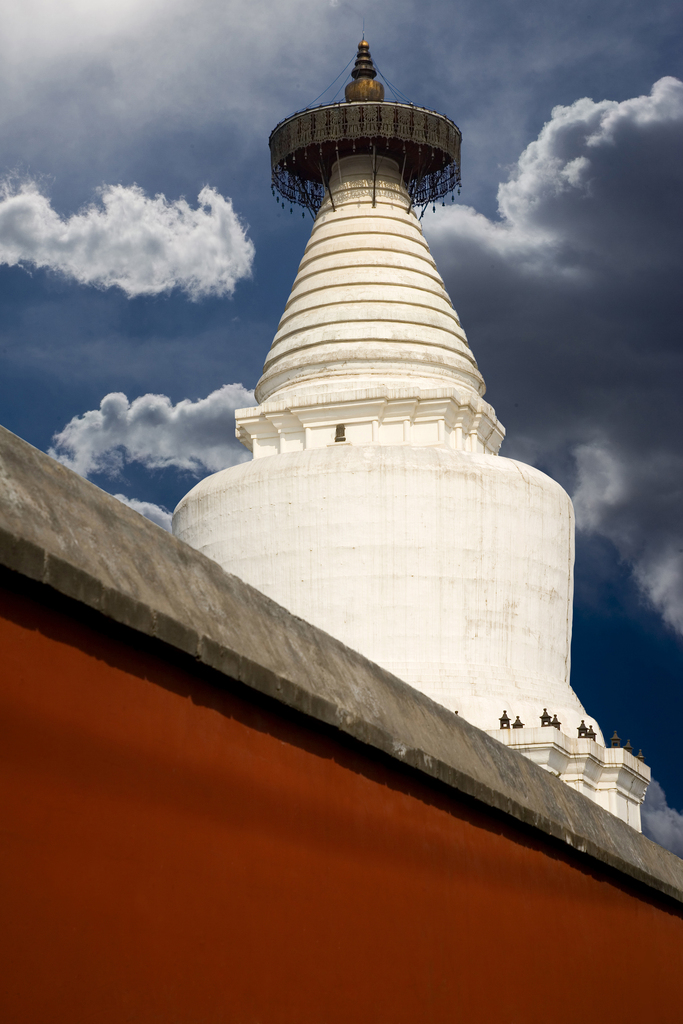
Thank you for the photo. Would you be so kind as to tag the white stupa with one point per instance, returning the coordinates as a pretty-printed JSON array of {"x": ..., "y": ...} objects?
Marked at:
[{"x": 376, "y": 505}]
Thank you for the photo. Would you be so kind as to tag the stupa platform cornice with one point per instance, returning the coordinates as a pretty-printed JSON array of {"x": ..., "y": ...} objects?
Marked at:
[
  {"x": 610, "y": 776},
  {"x": 456, "y": 419}
]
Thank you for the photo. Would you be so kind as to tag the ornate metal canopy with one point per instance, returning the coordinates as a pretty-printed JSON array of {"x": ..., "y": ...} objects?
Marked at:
[{"x": 305, "y": 146}]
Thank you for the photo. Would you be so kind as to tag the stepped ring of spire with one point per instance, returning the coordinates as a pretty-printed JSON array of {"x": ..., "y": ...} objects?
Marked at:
[{"x": 305, "y": 146}]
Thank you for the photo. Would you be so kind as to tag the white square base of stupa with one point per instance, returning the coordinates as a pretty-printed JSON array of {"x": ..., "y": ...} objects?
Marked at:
[{"x": 611, "y": 776}]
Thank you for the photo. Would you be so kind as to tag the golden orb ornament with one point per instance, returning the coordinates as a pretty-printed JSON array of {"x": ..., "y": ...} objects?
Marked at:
[{"x": 364, "y": 89}]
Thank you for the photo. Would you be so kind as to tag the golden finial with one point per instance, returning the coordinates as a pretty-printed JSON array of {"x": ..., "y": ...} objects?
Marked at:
[{"x": 364, "y": 89}]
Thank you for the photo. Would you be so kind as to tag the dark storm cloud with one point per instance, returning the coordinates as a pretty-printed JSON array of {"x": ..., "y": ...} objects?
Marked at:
[{"x": 573, "y": 301}]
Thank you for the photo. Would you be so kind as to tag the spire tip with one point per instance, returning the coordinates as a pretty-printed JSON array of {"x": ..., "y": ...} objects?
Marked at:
[{"x": 363, "y": 88}]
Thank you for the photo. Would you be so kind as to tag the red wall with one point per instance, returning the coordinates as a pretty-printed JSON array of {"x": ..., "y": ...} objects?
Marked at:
[{"x": 173, "y": 853}]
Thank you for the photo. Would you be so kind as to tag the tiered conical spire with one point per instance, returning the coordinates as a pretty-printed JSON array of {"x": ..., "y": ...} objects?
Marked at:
[{"x": 368, "y": 306}]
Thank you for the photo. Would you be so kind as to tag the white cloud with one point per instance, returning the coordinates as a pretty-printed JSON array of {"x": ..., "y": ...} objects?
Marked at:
[
  {"x": 193, "y": 436},
  {"x": 661, "y": 823},
  {"x": 156, "y": 513},
  {"x": 143, "y": 246},
  {"x": 573, "y": 302}
]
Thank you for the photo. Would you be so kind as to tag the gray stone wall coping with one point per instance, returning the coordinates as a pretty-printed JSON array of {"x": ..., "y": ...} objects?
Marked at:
[{"x": 65, "y": 533}]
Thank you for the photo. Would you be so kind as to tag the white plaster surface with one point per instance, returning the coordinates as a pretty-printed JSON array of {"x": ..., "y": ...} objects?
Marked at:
[
  {"x": 456, "y": 418},
  {"x": 451, "y": 569}
]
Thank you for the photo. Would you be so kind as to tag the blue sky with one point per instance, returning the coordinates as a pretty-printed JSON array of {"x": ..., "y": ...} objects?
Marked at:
[{"x": 563, "y": 258}]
